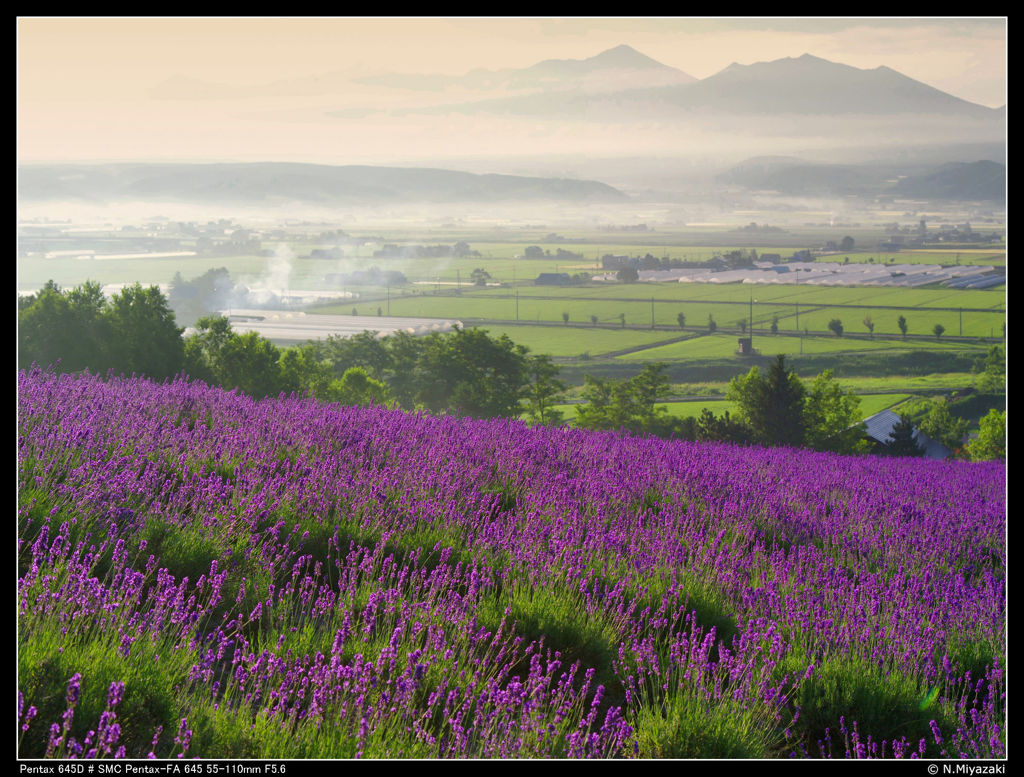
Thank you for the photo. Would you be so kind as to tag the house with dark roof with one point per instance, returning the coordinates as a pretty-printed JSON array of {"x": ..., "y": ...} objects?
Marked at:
[{"x": 879, "y": 430}]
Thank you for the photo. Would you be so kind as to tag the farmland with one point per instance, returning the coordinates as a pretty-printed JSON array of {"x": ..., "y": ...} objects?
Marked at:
[
  {"x": 971, "y": 313},
  {"x": 608, "y": 328},
  {"x": 203, "y": 574}
]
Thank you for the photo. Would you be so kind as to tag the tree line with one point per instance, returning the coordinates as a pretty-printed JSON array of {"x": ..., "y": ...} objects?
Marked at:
[
  {"x": 774, "y": 409},
  {"x": 465, "y": 372}
]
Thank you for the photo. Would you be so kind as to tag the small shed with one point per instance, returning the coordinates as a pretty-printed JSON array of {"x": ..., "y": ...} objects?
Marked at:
[{"x": 746, "y": 346}]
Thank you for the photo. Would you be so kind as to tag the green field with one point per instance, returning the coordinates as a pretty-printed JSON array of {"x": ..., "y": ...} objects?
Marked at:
[
  {"x": 869, "y": 405},
  {"x": 575, "y": 341},
  {"x": 944, "y": 256},
  {"x": 796, "y": 308},
  {"x": 722, "y": 346},
  {"x": 649, "y": 311},
  {"x": 781, "y": 294}
]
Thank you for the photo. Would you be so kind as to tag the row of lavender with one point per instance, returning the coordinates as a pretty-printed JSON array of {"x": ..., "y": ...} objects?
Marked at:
[{"x": 206, "y": 575}]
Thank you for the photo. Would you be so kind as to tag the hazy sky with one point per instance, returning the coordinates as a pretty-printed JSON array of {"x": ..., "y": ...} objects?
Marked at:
[{"x": 176, "y": 88}]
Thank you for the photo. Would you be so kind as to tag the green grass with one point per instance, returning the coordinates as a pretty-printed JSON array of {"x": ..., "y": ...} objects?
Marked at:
[
  {"x": 967, "y": 257},
  {"x": 686, "y": 725},
  {"x": 885, "y": 702},
  {"x": 153, "y": 677},
  {"x": 576, "y": 341},
  {"x": 724, "y": 346},
  {"x": 773, "y": 294}
]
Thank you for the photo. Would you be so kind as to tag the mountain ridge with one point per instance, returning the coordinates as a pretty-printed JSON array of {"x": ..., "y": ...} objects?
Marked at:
[
  {"x": 277, "y": 182},
  {"x": 790, "y": 85}
]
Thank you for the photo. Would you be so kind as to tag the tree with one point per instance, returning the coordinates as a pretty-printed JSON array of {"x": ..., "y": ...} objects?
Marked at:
[
  {"x": 622, "y": 320},
  {"x": 403, "y": 352},
  {"x": 711, "y": 428},
  {"x": 942, "y": 426},
  {"x": 870, "y": 326},
  {"x": 45, "y": 334},
  {"x": 901, "y": 322},
  {"x": 365, "y": 349},
  {"x": 302, "y": 371},
  {"x": 89, "y": 319},
  {"x": 628, "y": 275},
  {"x": 775, "y": 325},
  {"x": 991, "y": 440},
  {"x": 681, "y": 319},
  {"x": 203, "y": 349},
  {"x": 832, "y": 418},
  {"x": 902, "y": 440},
  {"x": 71, "y": 327},
  {"x": 210, "y": 292},
  {"x": 712, "y": 326},
  {"x": 606, "y": 405},
  {"x": 993, "y": 372},
  {"x": 543, "y": 392},
  {"x": 937, "y": 330},
  {"x": 479, "y": 276},
  {"x": 742, "y": 324},
  {"x": 836, "y": 326},
  {"x": 356, "y": 387},
  {"x": 846, "y": 244},
  {"x": 565, "y": 318},
  {"x": 249, "y": 363},
  {"x": 466, "y": 371},
  {"x": 593, "y": 320},
  {"x": 629, "y": 405},
  {"x": 773, "y": 405},
  {"x": 144, "y": 335}
]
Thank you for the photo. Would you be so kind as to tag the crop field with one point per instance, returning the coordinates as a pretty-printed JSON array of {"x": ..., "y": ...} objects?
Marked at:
[
  {"x": 782, "y": 294},
  {"x": 610, "y": 309},
  {"x": 206, "y": 575},
  {"x": 563, "y": 341},
  {"x": 945, "y": 256},
  {"x": 721, "y": 346}
]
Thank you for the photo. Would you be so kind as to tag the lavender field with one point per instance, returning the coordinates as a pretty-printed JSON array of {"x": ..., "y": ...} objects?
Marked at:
[{"x": 206, "y": 575}]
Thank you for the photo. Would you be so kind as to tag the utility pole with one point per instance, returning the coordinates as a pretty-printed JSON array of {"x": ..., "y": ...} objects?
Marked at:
[
  {"x": 652, "y": 312},
  {"x": 517, "y": 304},
  {"x": 750, "y": 318}
]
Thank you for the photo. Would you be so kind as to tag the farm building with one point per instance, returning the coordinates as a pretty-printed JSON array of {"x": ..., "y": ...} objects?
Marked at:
[{"x": 879, "y": 429}]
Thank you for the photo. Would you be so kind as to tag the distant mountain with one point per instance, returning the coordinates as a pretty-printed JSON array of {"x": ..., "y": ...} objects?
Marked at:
[
  {"x": 805, "y": 85},
  {"x": 984, "y": 180},
  {"x": 622, "y": 67},
  {"x": 788, "y": 175},
  {"x": 269, "y": 183},
  {"x": 811, "y": 85}
]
